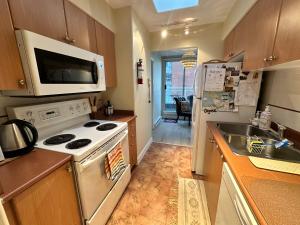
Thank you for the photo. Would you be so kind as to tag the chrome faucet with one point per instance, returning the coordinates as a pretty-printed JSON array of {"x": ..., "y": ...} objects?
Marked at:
[{"x": 280, "y": 131}]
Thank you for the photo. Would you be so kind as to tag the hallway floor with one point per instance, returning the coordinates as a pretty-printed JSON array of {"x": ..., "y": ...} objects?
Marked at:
[
  {"x": 151, "y": 196},
  {"x": 173, "y": 133}
]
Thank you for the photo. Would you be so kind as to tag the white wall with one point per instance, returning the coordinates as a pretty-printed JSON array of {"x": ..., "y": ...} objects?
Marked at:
[
  {"x": 282, "y": 88},
  {"x": 122, "y": 97},
  {"x": 142, "y": 107},
  {"x": 240, "y": 8},
  {"x": 208, "y": 41},
  {"x": 99, "y": 10},
  {"x": 157, "y": 87}
]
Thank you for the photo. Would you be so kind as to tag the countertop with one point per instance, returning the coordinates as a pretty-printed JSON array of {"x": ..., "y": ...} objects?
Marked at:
[
  {"x": 119, "y": 115},
  {"x": 21, "y": 173},
  {"x": 273, "y": 196}
]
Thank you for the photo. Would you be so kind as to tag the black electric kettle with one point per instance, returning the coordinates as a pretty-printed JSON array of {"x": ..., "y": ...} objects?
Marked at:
[{"x": 17, "y": 137}]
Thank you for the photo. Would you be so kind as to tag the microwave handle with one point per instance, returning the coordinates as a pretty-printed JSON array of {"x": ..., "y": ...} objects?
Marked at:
[
  {"x": 99, "y": 73},
  {"x": 86, "y": 164}
]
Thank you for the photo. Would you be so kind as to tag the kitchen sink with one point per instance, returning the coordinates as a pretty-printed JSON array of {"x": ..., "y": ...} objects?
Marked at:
[
  {"x": 236, "y": 136},
  {"x": 244, "y": 130}
]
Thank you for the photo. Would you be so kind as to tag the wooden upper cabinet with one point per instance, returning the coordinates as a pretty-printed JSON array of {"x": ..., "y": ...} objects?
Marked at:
[
  {"x": 229, "y": 45},
  {"x": 106, "y": 48},
  {"x": 287, "y": 44},
  {"x": 81, "y": 27},
  {"x": 260, "y": 23},
  {"x": 43, "y": 17},
  {"x": 11, "y": 72}
]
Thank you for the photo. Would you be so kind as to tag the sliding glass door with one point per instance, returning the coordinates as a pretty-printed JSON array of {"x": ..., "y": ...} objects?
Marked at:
[{"x": 177, "y": 81}]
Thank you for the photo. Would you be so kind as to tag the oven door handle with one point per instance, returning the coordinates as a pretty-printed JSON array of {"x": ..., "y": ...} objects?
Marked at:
[{"x": 84, "y": 165}]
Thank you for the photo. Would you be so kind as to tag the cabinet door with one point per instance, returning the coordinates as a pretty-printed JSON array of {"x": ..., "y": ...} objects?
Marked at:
[
  {"x": 43, "y": 17},
  {"x": 260, "y": 27},
  {"x": 132, "y": 142},
  {"x": 11, "y": 73},
  {"x": 287, "y": 45},
  {"x": 213, "y": 175},
  {"x": 106, "y": 48},
  {"x": 52, "y": 200},
  {"x": 229, "y": 45},
  {"x": 81, "y": 27}
]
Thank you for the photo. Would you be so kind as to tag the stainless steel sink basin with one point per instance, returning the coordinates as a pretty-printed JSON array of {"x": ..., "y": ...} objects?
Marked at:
[
  {"x": 236, "y": 136},
  {"x": 244, "y": 129}
]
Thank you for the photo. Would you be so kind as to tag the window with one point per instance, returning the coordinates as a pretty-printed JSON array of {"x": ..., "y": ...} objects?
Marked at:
[{"x": 169, "y": 5}]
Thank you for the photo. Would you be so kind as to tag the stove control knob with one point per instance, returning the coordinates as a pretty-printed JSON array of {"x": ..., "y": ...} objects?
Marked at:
[
  {"x": 78, "y": 108},
  {"x": 29, "y": 113},
  {"x": 32, "y": 121}
]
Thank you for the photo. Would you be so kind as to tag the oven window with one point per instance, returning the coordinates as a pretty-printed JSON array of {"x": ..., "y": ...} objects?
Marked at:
[{"x": 55, "y": 68}]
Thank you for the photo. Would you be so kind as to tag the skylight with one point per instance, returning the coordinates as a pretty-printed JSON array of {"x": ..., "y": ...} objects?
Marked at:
[{"x": 169, "y": 5}]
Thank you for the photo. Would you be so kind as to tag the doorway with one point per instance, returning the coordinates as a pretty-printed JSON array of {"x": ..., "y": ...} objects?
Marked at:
[
  {"x": 177, "y": 82},
  {"x": 171, "y": 80}
]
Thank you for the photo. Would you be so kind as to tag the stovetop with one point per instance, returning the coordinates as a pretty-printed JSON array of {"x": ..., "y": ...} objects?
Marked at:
[{"x": 82, "y": 139}]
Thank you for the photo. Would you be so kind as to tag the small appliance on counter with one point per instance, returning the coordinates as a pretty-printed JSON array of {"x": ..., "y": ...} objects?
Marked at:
[
  {"x": 17, "y": 137},
  {"x": 109, "y": 109}
]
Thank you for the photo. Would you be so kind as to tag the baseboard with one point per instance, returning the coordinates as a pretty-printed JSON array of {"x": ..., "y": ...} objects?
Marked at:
[
  {"x": 143, "y": 152},
  {"x": 157, "y": 122}
]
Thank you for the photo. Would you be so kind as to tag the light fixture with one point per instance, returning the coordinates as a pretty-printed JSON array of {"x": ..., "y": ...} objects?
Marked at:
[
  {"x": 189, "y": 59},
  {"x": 186, "y": 31},
  {"x": 164, "y": 33},
  {"x": 189, "y": 19}
]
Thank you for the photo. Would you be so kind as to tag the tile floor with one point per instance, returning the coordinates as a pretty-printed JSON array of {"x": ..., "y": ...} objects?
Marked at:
[{"x": 151, "y": 196}]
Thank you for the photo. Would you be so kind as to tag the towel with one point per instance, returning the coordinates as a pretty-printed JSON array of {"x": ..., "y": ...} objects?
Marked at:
[{"x": 114, "y": 163}]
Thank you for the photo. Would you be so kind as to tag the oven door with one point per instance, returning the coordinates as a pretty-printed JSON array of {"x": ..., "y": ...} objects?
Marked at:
[
  {"x": 92, "y": 180},
  {"x": 53, "y": 67}
]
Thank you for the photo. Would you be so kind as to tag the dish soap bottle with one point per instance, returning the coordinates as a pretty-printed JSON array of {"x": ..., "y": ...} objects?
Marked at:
[
  {"x": 265, "y": 119},
  {"x": 255, "y": 121}
]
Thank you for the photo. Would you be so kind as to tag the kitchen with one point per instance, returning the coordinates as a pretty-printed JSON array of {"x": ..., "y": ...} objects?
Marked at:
[{"x": 106, "y": 39}]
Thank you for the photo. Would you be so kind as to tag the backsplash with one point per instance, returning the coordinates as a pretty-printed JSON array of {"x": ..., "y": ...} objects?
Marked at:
[
  {"x": 20, "y": 101},
  {"x": 281, "y": 90}
]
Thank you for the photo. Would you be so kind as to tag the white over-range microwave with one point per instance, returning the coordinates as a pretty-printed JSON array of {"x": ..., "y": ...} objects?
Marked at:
[{"x": 52, "y": 67}]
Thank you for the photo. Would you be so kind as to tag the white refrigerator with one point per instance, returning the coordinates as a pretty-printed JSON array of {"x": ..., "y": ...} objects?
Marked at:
[{"x": 199, "y": 117}]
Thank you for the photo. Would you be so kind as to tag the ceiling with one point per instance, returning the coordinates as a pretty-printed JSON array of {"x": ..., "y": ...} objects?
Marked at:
[{"x": 208, "y": 11}]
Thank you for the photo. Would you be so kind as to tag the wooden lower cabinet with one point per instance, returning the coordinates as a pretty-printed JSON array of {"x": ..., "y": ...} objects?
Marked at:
[
  {"x": 213, "y": 164},
  {"x": 53, "y": 200},
  {"x": 132, "y": 142}
]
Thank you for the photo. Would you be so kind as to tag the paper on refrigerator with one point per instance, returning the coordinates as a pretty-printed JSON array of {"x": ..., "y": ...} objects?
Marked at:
[
  {"x": 247, "y": 92},
  {"x": 214, "y": 79}
]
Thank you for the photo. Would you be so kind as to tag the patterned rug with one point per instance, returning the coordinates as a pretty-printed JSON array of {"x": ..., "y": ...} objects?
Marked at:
[{"x": 192, "y": 205}]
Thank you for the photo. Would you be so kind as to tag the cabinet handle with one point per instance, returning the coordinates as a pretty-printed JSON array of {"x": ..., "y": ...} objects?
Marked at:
[
  {"x": 21, "y": 82},
  {"x": 69, "y": 40},
  {"x": 69, "y": 169},
  {"x": 270, "y": 58}
]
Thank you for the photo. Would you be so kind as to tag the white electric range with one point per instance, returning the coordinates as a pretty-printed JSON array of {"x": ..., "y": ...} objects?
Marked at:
[{"x": 66, "y": 127}]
